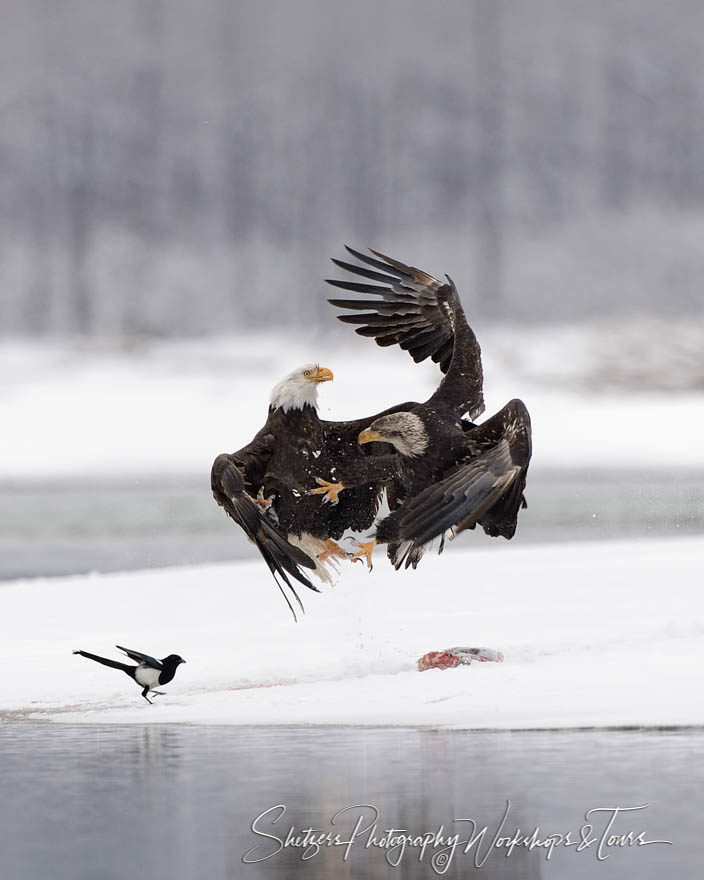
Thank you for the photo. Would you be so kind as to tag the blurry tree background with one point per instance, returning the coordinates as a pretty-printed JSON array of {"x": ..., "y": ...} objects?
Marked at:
[{"x": 172, "y": 167}]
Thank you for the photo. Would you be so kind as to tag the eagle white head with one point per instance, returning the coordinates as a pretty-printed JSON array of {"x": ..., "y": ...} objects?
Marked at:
[{"x": 299, "y": 388}]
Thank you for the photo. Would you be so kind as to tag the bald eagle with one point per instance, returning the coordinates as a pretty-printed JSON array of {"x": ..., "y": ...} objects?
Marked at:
[
  {"x": 268, "y": 487},
  {"x": 448, "y": 473}
]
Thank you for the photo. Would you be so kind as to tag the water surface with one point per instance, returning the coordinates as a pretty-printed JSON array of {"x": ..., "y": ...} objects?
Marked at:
[
  {"x": 178, "y": 802},
  {"x": 66, "y": 527}
]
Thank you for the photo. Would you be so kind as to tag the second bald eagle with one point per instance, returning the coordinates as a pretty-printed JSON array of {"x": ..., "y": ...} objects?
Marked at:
[{"x": 448, "y": 473}]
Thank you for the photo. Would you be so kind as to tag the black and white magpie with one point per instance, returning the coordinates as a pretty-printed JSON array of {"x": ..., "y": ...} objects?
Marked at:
[{"x": 148, "y": 674}]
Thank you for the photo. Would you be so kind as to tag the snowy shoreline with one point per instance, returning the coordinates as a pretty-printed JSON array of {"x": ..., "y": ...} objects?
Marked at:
[{"x": 595, "y": 635}]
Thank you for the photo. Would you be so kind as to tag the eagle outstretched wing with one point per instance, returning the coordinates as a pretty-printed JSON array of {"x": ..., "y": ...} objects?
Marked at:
[
  {"x": 408, "y": 313},
  {"x": 282, "y": 558},
  {"x": 486, "y": 488},
  {"x": 419, "y": 313}
]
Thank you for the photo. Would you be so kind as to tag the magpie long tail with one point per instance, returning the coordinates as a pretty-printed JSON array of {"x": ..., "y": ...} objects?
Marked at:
[{"x": 114, "y": 664}]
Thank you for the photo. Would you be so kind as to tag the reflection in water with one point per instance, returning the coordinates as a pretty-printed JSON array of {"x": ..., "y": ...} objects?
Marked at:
[{"x": 102, "y": 803}]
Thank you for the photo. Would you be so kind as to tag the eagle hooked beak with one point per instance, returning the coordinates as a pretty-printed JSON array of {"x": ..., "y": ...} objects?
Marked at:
[
  {"x": 322, "y": 374},
  {"x": 369, "y": 436}
]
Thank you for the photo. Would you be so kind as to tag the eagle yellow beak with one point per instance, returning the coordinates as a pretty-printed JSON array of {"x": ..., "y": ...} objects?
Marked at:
[
  {"x": 322, "y": 374},
  {"x": 369, "y": 436}
]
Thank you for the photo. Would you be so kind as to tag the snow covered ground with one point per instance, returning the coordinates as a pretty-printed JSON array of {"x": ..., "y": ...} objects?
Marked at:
[
  {"x": 170, "y": 407},
  {"x": 593, "y": 635}
]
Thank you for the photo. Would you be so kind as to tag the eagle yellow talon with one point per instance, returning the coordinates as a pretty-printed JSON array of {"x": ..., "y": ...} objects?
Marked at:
[
  {"x": 332, "y": 549},
  {"x": 261, "y": 501},
  {"x": 366, "y": 548},
  {"x": 329, "y": 490}
]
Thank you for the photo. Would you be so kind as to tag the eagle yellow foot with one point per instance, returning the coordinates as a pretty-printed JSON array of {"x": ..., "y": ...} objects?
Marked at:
[
  {"x": 366, "y": 548},
  {"x": 329, "y": 490},
  {"x": 332, "y": 550},
  {"x": 261, "y": 501}
]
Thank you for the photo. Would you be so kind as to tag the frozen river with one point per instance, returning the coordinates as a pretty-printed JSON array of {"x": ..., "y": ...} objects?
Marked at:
[{"x": 65, "y": 527}]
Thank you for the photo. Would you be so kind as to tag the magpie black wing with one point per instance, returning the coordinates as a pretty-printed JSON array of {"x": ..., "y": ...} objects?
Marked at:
[{"x": 141, "y": 658}]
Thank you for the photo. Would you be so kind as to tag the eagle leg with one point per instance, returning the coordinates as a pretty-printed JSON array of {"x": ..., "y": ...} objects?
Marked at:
[
  {"x": 261, "y": 501},
  {"x": 366, "y": 548},
  {"x": 329, "y": 490},
  {"x": 332, "y": 549}
]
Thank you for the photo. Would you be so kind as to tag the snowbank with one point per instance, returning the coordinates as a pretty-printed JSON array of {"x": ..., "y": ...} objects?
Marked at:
[
  {"x": 171, "y": 407},
  {"x": 593, "y": 635}
]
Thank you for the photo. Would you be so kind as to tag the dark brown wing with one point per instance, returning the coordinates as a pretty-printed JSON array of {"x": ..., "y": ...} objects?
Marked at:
[
  {"x": 253, "y": 460},
  {"x": 512, "y": 423},
  {"x": 485, "y": 487},
  {"x": 282, "y": 558},
  {"x": 408, "y": 313},
  {"x": 422, "y": 315},
  {"x": 463, "y": 497}
]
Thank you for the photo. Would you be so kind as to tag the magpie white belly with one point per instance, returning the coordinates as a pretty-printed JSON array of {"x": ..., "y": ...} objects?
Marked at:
[{"x": 145, "y": 675}]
